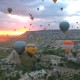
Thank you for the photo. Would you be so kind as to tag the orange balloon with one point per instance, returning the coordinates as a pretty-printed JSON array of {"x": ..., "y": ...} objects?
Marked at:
[{"x": 54, "y": 1}]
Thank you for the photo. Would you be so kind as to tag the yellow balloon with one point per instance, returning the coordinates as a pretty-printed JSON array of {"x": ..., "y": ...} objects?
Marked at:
[{"x": 31, "y": 49}]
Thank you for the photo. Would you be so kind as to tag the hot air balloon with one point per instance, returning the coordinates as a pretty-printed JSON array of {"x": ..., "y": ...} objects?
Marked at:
[
  {"x": 31, "y": 16},
  {"x": 31, "y": 49},
  {"x": 54, "y": 1},
  {"x": 9, "y": 10},
  {"x": 45, "y": 28},
  {"x": 30, "y": 24},
  {"x": 77, "y": 22},
  {"x": 64, "y": 26},
  {"x": 24, "y": 26},
  {"x": 77, "y": 27},
  {"x": 37, "y": 8},
  {"x": 61, "y": 8},
  {"x": 48, "y": 24},
  {"x": 68, "y": 45},
  {"x": 19, "y": 46},
  {"x": 14, "y": 29},
  {"x": 40, "y": 25}
]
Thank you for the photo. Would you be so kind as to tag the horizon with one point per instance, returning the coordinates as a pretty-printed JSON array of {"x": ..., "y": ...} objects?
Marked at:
[{"x": 34, "y": 31}]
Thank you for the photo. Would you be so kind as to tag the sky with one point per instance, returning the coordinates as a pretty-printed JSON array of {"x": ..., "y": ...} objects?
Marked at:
[{"x": 19, "y": 20}]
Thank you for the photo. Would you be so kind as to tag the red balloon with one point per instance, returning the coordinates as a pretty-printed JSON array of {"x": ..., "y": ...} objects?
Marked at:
[{"x": 54, "y": 1}]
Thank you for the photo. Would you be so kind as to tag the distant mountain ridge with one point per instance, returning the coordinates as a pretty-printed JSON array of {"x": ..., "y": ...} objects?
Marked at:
[
  {"x": 57, "y": 34},
  {"x": 45, "y": 37}
]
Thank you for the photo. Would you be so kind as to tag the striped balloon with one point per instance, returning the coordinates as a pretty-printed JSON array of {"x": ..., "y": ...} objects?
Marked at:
[{"x": 68, "y": 45}]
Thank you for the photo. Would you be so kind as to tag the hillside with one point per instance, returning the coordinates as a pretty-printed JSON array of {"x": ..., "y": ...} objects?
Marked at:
[
  {"x": 56, "y": 34},
  {"x": 45, "y": 37}
]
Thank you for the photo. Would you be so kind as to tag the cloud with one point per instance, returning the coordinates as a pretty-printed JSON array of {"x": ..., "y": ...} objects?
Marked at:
[
  {"x": 74, "y": 7},
  {"x": 49, "y": 13}
]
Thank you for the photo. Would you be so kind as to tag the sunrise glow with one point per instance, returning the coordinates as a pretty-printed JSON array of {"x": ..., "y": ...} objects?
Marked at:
[{"x": 13, "y": 33}]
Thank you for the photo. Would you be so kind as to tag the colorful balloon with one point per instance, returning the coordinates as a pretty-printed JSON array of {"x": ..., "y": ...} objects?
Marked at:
[
  {"x": 68, "y": 45},
  {"x": 9, "y": 10},
  {"x": 31, "y": 49},
  {"x": 19, "y": 46},
  {"x": 64, "y": 26}
]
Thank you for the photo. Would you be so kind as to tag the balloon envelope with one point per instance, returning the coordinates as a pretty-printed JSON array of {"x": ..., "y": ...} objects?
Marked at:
[
  {"x": 9, "y": 10},
  {"x": 64, "y": 26},
  {"x": 61, "y": 8},
  {"x": 68, "y": 45},
  {"x": 31, "y": 16},
  {"x": 19, "y": 46},
  {"x": 54, "y": 1},
  {"x": 37, "y": 8},
  {"x": 31, "y": 49}
]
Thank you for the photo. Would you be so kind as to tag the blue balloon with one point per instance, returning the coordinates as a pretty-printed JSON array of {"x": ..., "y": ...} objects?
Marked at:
[{"x": 19, "y": 46}]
